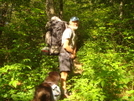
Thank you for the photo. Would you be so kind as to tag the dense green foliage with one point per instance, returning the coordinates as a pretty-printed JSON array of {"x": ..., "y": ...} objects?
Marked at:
[{"x": 105, "y": 48}]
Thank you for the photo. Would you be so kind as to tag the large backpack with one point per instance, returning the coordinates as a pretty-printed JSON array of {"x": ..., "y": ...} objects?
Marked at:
[{"x": 53, "y": 37}]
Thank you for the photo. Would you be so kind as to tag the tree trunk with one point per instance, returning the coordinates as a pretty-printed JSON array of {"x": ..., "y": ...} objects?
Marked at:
[
  {"x": 3, "y": 15},
  {"x": 50, "y": 11},
  {"x": 61, "y": 8},
  {"x": 54, "y": 8},
  {"x": 121, "y": 10}
]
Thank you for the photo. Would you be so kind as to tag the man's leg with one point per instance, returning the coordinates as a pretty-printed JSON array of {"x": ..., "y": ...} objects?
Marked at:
[{"x": 63, "y": 83}]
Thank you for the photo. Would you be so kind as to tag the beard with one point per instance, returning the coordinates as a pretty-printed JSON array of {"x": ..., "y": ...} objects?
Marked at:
[{"x": 74, "y": 27}]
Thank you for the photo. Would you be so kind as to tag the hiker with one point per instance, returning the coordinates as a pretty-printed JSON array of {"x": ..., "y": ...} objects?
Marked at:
[{"x": 67, "y": 52}]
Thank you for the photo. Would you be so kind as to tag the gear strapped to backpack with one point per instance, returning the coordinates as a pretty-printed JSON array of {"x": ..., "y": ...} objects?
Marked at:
[{"x": 53, "y": 37}]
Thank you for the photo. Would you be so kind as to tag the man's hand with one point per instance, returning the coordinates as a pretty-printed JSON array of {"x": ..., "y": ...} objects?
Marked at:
[
  {"x": 69, "y": 49},
  {"x": 73, "y": 56}
]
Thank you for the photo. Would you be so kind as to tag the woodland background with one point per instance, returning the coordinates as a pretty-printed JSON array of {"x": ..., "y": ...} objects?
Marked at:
[{"x": 105, "y": 48}]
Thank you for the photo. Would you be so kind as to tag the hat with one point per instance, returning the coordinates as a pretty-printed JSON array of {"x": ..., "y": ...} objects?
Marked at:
[{"x": 74, "y": 19}]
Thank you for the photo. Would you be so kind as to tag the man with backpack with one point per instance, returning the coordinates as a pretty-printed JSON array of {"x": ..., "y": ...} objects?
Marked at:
[{"x": 67, "y": 52}]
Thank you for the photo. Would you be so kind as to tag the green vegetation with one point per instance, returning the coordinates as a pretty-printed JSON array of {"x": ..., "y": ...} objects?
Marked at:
[{"x": 106, "y": 49}]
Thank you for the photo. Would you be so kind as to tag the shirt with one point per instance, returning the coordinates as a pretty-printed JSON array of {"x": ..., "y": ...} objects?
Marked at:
[{"x": 69, "y": 34}]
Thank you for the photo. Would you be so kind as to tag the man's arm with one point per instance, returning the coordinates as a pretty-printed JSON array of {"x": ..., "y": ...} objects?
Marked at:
[{"x": 69, "y": 49}]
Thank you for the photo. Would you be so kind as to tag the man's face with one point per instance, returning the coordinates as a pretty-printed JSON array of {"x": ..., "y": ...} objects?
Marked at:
[{"x": 74, "y": 24}]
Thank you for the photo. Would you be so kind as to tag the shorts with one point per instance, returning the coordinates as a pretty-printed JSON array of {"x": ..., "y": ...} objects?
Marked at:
[{"x": 65, "y": 62}]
